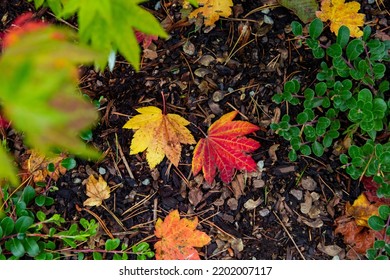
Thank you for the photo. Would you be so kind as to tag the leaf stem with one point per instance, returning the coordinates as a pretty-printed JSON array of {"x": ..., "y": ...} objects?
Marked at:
[
  {"x": 204, "y": 134},
  {"x": 163, "y": 101}
]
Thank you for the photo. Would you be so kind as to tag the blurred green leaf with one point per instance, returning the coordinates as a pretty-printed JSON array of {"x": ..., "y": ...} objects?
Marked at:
[{"x": 304, "y": 9}]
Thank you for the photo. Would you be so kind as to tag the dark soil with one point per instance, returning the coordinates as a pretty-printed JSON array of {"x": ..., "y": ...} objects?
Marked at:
[{"x": 279, "y": 227}]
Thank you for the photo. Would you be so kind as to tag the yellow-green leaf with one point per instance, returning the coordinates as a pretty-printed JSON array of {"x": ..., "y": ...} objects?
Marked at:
[{"x": 159, "y": 134}]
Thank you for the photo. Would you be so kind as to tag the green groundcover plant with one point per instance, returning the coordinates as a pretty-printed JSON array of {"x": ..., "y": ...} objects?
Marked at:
[
  {"x": 27, "y": 232},
  {"x": 348, "y": 104},
  {"x": 347, "y": 99}
]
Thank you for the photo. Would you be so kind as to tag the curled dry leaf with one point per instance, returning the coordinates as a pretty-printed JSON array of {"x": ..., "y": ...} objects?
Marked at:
[
  {"x": 178, "y": 237},
  {"x": 97, "y": 191}
]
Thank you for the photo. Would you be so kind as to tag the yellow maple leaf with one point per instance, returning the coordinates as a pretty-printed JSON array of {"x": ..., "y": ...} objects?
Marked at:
[
  {"x": 159, "y": 134},
  {"x": 97, "y": 190},
  {"x": 340, "y": 13},
  {"x": 212, "y": 10},
  {"x": 361, "y": 210}
]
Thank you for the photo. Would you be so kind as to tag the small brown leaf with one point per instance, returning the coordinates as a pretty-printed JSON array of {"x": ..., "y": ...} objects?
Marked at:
[{"x": 97, "y": 190}]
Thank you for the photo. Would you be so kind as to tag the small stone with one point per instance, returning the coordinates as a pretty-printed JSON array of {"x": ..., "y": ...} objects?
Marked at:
[
  {"x": 206, "y": 60},
  {"x": 146, "y": 182},
  {"x": 102, "y": 171},
  {"x": 232, "y": 203},
  {"x": 76, "y": 181},
  {"x": 308, "y": 183},
  {"x": 201, "y": 72},
  {"x": 297, "y": 194},
  {"x": 218, "y": 95},
  {"x": 264, "y": 212},
  {"x": 189, "y": 48}
]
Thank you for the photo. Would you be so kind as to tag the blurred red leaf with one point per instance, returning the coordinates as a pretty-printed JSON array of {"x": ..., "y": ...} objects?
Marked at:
[
  {"x": 145, "y": 39},
  {"x": 23, "y": 24}
]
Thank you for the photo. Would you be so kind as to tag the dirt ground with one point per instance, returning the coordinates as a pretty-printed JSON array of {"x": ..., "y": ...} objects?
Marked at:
[{"x": 285, "y": 210}]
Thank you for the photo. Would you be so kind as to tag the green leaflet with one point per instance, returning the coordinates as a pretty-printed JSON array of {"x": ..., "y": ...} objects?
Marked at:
[
  {"x": 109, "y": 25},
  {"x": 38, "y": 74}
]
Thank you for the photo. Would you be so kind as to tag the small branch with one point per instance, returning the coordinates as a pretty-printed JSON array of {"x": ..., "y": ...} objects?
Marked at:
[{"x": 289, "y": 235}]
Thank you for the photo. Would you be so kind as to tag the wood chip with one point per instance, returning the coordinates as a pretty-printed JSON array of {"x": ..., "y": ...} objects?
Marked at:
[
  {"x": 308, "y": 183},
  {"x": 331, "y": 250},
  {"x": 252, "y": 204},
  {"x": 306, "y": 205}
]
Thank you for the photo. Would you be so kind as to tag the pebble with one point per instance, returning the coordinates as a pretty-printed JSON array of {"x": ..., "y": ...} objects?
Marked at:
[
  {"x": 76, "y": 181},
  {"x": 218, "y": 95},
  {"x": 146, "y": 182},
  {"x": 102, "y": 171},
  {"x": 297, "y": 194},
  {"x": 264, "y": 212}
]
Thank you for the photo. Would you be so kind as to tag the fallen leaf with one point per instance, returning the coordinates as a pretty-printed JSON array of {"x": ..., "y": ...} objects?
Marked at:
[
  {"x": 361, "y": 210},
  {"x": 37, "y": 167},
  {"x": 212, "y": 10},
  {"x": 178, "y": 237},
  {"x": 340, "y": 13},
  {"x": 97, "y": 190},
  {"x": 145, "y": 39},
  {"x": 358, "y": 237},
  {"x": 238, "y": 186},
  {"x": 353, "y": 225},
  {"x": 371, "y": 191},
  {"x": 159, "y": 134},
  {"x": 225, "y": 148},
  {"x": 304, "y": 9}
]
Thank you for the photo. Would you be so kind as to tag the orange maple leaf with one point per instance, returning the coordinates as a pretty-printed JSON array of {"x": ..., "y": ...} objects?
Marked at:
[
  {"x": 37, "y": 164},
  {"x": 225, "y": 148},
  {"x": 340, "y": 13},
  {"x": 178, "y": 238},
  {"x": 159, "y": 134},
  {"x": 356, "y": 231},
  {"x": 212, "y": 10}
]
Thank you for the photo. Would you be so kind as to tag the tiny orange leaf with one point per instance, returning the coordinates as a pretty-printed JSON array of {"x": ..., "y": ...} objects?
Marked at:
[
  {"x": 97, "y": 190},
  {"x": 178, "y": 237}
]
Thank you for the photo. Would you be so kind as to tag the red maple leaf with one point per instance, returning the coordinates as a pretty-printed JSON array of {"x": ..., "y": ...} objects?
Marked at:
[{"x": 225, "y": 148}]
